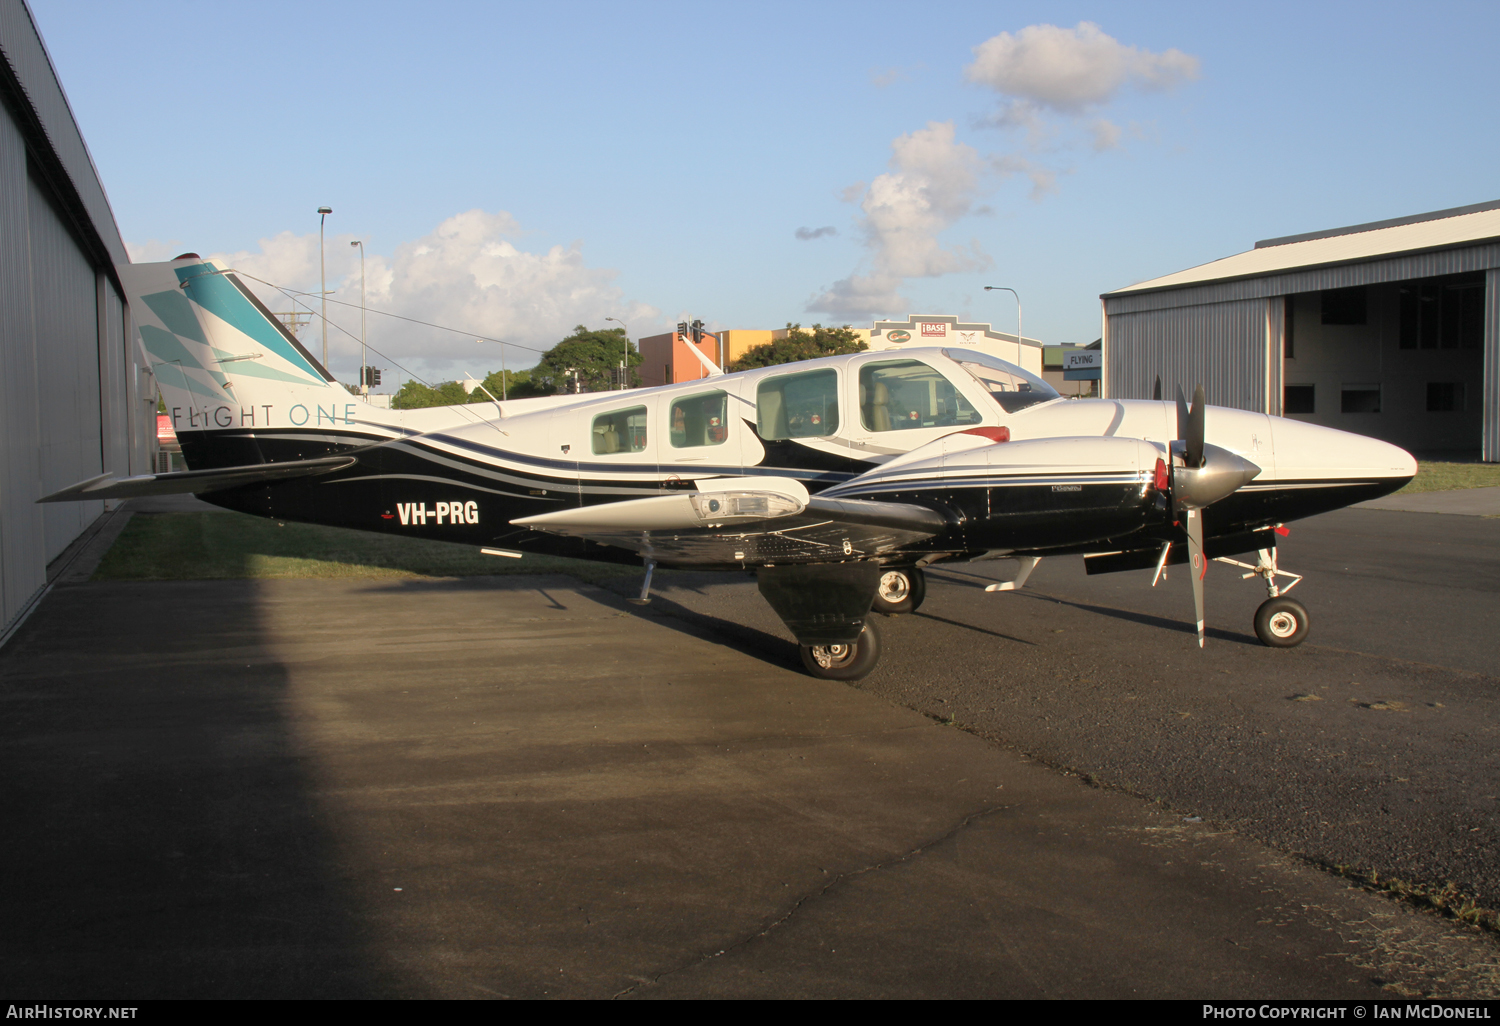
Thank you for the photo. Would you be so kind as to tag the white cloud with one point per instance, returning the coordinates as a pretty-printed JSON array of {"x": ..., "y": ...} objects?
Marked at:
[
  {"x": 1106, "y": 135},
  {"x": 466, "y": 274},
  {"x": 1072, "y": 70},
  {"x": 933, "y": 182}
]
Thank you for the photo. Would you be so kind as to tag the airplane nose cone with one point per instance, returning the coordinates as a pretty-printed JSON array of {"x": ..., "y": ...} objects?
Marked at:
[{"x": 1313, "y": 452}]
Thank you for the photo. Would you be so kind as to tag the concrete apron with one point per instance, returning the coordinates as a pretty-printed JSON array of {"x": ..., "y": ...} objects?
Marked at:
[{"x": 523, "y": 787}]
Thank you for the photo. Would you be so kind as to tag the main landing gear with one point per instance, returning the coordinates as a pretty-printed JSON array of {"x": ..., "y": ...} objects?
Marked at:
[
  {"x": 849, "y": 661},
  {"x": 1280, "y": 622},
  {"x": 901, "y": 590}
]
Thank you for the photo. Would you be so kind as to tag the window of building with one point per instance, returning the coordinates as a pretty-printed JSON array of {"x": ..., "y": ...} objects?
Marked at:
[
  {"x": 1443, "y": 313},
  {"x": 699, "y": 420},
  {"x": 1445, "y": 396},
  {"x": 620, "y": 431},
  {"x": 798, "y": 405},
  {"x": 905, "y": 394},
  {"x": 1298, "y": 399},
  {"x": 1359, "y": 398},
  {"x": 1344, "y": 306}
]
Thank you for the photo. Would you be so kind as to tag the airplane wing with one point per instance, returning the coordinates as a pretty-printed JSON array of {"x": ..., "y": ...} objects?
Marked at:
[
  {"x": 110, "y": 486},
  {"x": 746, "y": 522}
]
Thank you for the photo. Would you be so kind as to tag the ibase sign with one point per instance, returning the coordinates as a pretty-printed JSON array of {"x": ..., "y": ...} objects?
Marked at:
[
  {"x": 420, "y": 514},
  {"x": 201, "y": 418}
]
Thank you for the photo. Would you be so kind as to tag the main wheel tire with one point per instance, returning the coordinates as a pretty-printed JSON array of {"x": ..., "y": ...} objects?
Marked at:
[
  {"x": 1281, "y": 622},
  {"x": 844, "y": 662},
  {"x": 901, "y": 590}
]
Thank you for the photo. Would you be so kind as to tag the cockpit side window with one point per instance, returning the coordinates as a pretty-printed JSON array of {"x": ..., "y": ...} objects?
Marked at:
[
  {"x": 1011, "y": 386},
  {"x": 802, "y": 405},
  {"x": 902, "y": 394},
  {"x": 699, "y": 420},
  {"x": 619, "y": 431}
]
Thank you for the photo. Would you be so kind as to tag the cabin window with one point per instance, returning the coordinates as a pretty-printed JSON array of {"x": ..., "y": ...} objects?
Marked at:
[
  {"x": 699, "y": 420},
  {"x": 905, "y": 394},
  {"x": 798, "y": 405},
  {"x": 620, "y": 431}
]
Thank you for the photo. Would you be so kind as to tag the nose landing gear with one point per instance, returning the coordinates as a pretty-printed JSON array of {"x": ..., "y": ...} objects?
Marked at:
[{"x": 1280, "y": 622}]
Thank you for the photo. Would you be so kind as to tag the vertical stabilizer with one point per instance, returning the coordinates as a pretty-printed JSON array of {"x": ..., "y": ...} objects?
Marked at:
[{"x": 221, "y": 359}]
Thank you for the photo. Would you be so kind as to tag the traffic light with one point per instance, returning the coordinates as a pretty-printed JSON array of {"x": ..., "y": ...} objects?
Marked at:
[
  {"x": 682, "y": 330},
  {"x": 697, "y": 332},
  {"x": 369, "y": 376}
]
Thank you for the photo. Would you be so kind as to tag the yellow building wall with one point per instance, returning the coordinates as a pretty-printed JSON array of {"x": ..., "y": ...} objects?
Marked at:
[{"x": 737, "y": 340}]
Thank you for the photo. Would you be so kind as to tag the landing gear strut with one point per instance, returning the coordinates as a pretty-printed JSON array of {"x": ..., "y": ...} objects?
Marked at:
[
  {"x": 901, "y": 590},
  {"x": 1280, "y": 622}
]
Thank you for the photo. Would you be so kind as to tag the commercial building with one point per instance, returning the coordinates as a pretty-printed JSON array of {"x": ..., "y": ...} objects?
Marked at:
[
  {"x": 1390, "y": 329},
  {"x": 666, "y": 358},
  {"x": 76, "y": 396}
]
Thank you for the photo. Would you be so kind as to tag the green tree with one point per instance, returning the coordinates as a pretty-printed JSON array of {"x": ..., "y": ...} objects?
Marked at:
[
  {"x": 800, "y": 344},
  {"x": 519, "y": 384},
  {"x": 416, "y": 396},
  {"x": 592, "y": 356}
]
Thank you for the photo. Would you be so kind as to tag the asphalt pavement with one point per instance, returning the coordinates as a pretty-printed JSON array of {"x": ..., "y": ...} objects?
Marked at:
[{"x": 526, "y": 787}]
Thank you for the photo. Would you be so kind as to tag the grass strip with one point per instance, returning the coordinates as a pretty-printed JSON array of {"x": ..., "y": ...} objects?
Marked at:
[
  {"x": 221, "y": 546},
  {"x": 1437, "y": 476}
]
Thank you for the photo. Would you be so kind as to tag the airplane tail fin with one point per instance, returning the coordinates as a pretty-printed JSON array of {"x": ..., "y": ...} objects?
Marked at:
[{"x": 216, "y": 350}]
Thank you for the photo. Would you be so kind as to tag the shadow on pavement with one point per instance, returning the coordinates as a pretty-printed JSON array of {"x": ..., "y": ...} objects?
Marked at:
[{"x": 159, "y": 812}]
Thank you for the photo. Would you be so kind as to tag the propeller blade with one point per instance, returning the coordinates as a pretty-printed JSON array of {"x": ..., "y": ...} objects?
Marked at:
[
  {"x": 1156, "y": 392},
  {"x": 1182, "y": 415},
  {"x": 1195, "y": 431},
  {"x": 1197, "y": 563}
]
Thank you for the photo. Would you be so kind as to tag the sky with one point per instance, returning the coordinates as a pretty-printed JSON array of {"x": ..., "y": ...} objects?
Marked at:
[{"x": 513, "y": 170}]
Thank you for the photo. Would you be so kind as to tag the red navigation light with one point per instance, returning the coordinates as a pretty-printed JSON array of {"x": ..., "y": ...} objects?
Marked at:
[
  {"x": 1283, "y": 531},
  {"x": 994, "y": 434},
  {"x": 1161, "y": 482}
]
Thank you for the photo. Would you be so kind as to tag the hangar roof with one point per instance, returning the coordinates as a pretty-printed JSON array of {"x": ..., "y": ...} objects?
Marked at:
[{"x": 1438, "y": 230}]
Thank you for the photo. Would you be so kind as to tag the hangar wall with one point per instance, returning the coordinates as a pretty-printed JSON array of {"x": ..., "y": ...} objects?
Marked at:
[
  {"x": 1230, "y": 336},
  {"x": 76, "y": 398}
]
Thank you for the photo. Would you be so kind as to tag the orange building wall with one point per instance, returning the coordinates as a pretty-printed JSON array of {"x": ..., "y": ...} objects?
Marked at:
[{"x": 666, "y": 360}]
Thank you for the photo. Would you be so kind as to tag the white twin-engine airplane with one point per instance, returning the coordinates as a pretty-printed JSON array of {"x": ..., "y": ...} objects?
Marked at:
[{"x": 835, "y": 480}]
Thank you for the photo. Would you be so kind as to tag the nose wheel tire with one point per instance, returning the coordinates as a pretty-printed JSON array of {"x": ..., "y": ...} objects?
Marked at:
[
  {"x": 1281, "y": 622},
  {"x": 851, "y": 661},
  {"x": 901, "y": 590}
]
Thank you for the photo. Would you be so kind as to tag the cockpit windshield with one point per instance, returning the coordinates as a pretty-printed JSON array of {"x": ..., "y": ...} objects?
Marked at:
[{"x": 1013, "y": 388}]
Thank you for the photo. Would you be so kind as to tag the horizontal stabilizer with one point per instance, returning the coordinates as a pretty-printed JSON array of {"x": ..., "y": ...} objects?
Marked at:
[{"x": 108, "y": 486}]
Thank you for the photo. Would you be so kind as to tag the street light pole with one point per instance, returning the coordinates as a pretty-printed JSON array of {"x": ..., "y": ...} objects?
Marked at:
[
  {"x": 364, "y": 388},
  {"x": 1007, "y": 288},
  {"x": 323, "y": 213},
  {"x": 625, "y": 362},
  {"x": 502, "y": 364}
]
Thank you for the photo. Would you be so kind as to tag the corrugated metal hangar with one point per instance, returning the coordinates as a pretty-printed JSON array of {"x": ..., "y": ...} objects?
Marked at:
[
  {"x": 76, "y": 397},
  {"x": 1389, "y": 329}
]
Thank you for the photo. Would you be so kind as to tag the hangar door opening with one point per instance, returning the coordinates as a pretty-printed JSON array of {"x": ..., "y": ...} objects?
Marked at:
[{"x": 1401, "y": 361}]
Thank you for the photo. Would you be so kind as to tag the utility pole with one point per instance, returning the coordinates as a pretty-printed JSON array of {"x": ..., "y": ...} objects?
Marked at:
[
  {"x": 625, "y": 360},
  {"x": 323, "y": 213},
  {"x": 364, "y": 386}
]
